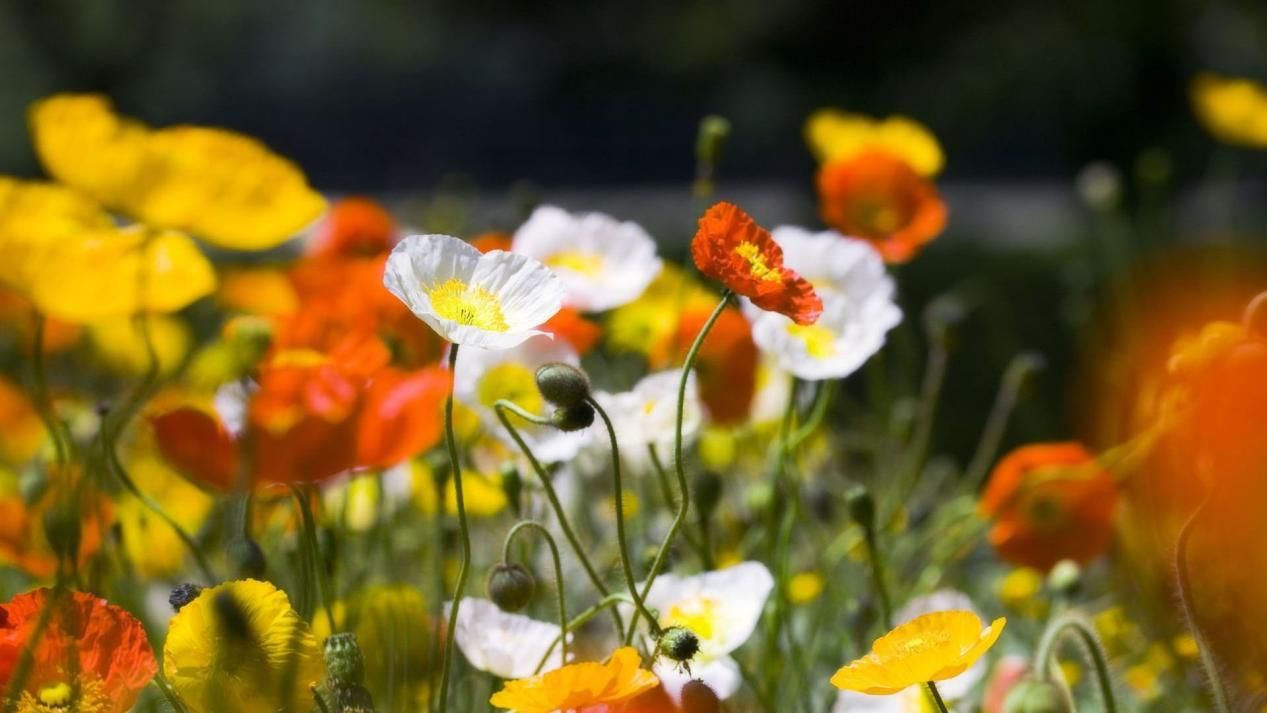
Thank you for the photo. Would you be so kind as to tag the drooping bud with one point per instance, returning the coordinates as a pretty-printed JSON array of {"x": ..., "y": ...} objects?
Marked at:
[
  {"x": 1035, "y": 696},
  {"x": 711, "y": 139},
  {"x": 861, "y": 506},
  {"x": 563, "y": 384},
  {"x": 697, "y": 697},
  {"x": 678, "y": 644},
  {"x": 574, "y": 418},
  {"x": 510, "y": 586},
  {"x": 183, "y": 594},
  {"x": 1065, "y": 578}
]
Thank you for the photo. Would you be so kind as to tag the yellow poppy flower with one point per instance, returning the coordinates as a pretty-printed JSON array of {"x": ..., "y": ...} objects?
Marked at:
[
  {"x": 121, "y": 343},
  {"x": 833, "y": 134},
  {"x": 67, "y": 256},
  {"x": 578, "y": 685},
  {"x": 226, "y": 188},
  {"x": 152, "y": 546},
  {"x": 240, "y": 646},
  {"x": 1233, "y": 109},
  {"x": 929, "y": 648}
]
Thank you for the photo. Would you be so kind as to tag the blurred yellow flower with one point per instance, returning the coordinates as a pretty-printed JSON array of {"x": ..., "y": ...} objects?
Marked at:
[
  {"x": 805, "y": 587},
  {"x": 1232, "y": 109},
  {"x": 579, "y": 686},
  {"x": 833, "y": 134},
  {"x": 484, "y": 495},
  {"x": 240, "y": 646},
  {"x": 257, "y": 290},
  {"x": 121, "y": 342},
  {"x": 928, "y": 648},
  {"x": 152, "y": 546},
  {"x": 651, "y": 319},
  {"x": 66, "y": 255},
  {"x": 226, "y": 188},
  {"x": 1021, "y": 591}
]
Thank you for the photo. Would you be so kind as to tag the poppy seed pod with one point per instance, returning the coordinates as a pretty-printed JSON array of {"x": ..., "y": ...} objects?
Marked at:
[
  {"x": 1035, "y": 696},
  {"x": 574, "y": 418},
  {"x": 183, "y": 594},
  {"x": 679, "y": 643},
  {"x": 563, "y": 384},
  {"x": 510, "y": 586},
  {"x": 344, "y": 664}
]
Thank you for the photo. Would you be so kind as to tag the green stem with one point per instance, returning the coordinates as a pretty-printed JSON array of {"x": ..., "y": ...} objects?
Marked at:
[
  {"x": 43, "y": 400},
  {"x": 684, "y": 504},
  {"x": 500, "y": 407},
  {"x": 622, "y": 540},
  {"x": 169, "y": 694},
  {"x": 996, "y": 423},
  {"x": 662, "y": 475},
  {"x": 930, "y": 393},
  {"x": 313, "y": 551},
  {"x": 1073, "y": 623},
  {"x": 558, "y": 572},
  {"x": 1184, "y": 586},
  {"x": 463, "y": 569},
  {"x": 606, "y": 602},
  {"x": 936, "y": 696},
  {"x": 876, "y": 561}
]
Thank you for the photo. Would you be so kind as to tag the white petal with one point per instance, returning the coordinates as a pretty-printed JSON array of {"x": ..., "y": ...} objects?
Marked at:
[
  {"x": 854, "y": 332},
  {"x": 906, "y": 701},
  {"x": 528, "y": 291},
  {"x": 735, "y": 597},
  {"x": 503, "y": 644}
]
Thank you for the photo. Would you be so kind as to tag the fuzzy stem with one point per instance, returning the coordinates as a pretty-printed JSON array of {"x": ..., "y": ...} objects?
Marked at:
[
  {"x": 1073, "y": 623},
  {"x": 558, "y": 571},
  {"x": 463, "y": 569},
  {"x": 1183, "y": 580}
]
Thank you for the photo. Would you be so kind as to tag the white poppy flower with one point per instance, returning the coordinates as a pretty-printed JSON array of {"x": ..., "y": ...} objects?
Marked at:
[
  {"x": 492, "y": 300},
  {"x": 912, "y": 700},
  {"x": 722, "y": 608},
  {"x": 603, "y": 263},
  {"x": 647, "y": 415},
  {"x": 833, "y": 262},
  {"x": 483, "y": 377},
  {"x": 506, "y": 645}
]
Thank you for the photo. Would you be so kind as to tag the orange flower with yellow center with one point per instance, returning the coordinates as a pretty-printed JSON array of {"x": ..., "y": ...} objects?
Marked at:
[
  {"x": 1049, "y": 502},
  {"x": 926, "y": 649},
  {"x": 579, "y": 685},
  {"x": 731, "y": 248}
]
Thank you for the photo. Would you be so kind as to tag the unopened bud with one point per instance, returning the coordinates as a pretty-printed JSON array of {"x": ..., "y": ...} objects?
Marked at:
[
  {"x": 63, "y": 530},
  {"x": 1024, "y": 370},
  {"x": 1065, "y": 578},
  {"x": 183, "y": 594},
  {"x": 861, "y": 506},
  {"x": 563, "y": 384},
  {"x": 711, "y": 139},
  {"x": 678, "y": 644},
  {"x": 510, "y": 586},
  {"x": 942, "y": 319},
  {"x": 1099, "y": 185},
  {"x": 574, "y": 418},
  {"x": 1035, "y": 696},
  {"x": 344, "y": 664}
]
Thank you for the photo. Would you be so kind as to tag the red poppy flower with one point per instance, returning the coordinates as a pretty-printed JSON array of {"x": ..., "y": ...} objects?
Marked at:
[
  {"x": 731, "y": 248},
  {"x": 725, "y": 367},
  {"x": 355, "y": 226},
  {"x": 402, "y": 415},
  {"x": 879, "y": 198},
  {"x": 1049, "y": 502},
  {"x": 92, "y": 657}
]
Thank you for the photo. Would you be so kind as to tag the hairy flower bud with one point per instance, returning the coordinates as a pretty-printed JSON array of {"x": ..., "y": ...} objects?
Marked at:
[
  {"x": 574, "y": 418},
  {"x": 679, "y": 644},
  {"x": 183, "y": 594},
  {"x": 510, "y": 586},
  {"x": 344, "y": 664},
  {"x": 563, "y": 384},
  {"x": 1065, "y": 577},
  {"x": 63, "y": 530}
]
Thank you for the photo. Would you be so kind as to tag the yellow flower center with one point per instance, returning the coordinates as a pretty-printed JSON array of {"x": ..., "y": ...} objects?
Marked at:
[
  {"x": 468, "y": 305},
  {"x": 699, "y": 614},
  {"x": 300, "y": 358},
  {"x": 61, "y": 697},
  {"x": 757, "y": 262},
  {"x": 584, "y": 263},
  {"x": 513, "y": 382},
  {"x": 819, "y": 341},
  {"x": 58, "y": 694}
]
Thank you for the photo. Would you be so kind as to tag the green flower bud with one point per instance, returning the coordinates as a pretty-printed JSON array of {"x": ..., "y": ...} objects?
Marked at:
[
  {"x": 510, "y": 586},
  {"x": 679, "y": 644},
  {"x": 574, "y": 418},
  {"x": 353, "y": 699},
  {"x": 1034, "y": 695},
  {"x": 63, "y": 530},
  {"x": 861, "y": 506},
  {"x": 711, "y": 139},
  {"x": 563, "y": 384},
  {"x": 1065, "y": 578},
  {"x": 707, "y": 492},
  {"x": 183, "y": 594},
  {"x": 344, "y": 664}
]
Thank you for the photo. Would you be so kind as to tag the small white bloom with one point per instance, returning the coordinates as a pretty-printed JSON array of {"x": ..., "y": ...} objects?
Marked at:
[
  {"x": 603, "y": 263},
  {"x": 722, "y": 608},
  {"x": 484, "y": 377},
  {"x": 833, "y": 262},
  {"x": 492, "y": 300},
  {"x": 647, "y": 415},
  {"x": 911, "y": 699},
  {"x": 506, "y": 645}
]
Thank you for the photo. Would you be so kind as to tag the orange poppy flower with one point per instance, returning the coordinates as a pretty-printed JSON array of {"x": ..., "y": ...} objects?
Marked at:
[
  {"x": 568, "y": 324},
  {"x": 21, "y": 431},
  {"x": 582, "y": 686},
  {"x": 878, "y": 197},
  {"x": 354, "y": 226},
  {"x": 24, "y": 541},
  {"x": 92, "y": 657},
  {"x": 731, "y": 248},
  {"x": 401, "y": 416},
  {"x": 492, "y": 240},
  {"x": 1049, "y": 502},
  {"x": 725, "y": 367}
]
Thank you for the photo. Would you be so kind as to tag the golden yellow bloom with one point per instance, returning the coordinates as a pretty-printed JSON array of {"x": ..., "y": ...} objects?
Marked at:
[
  {"x": 67, "y": 256},
  {"x": 932, "y": 647},
  {"x": 241, "y": 647},
  {"x": 258, "y": 290},
  {"x": 1021, "y": 591},
  {"x": 833, "y": 134},
  {"x": 805, "y": 587},
  {"x": 226, "y": 188},
  {"x": 121, "y": 343},
  {"x": 578, "y": 685},
  {"x": 649, "y": 320},
  {"x": 152, "y": 546},
  {"x": 1233, "y": 109}
]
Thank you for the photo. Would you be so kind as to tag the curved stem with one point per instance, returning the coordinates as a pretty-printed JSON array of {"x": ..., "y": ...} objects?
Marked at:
[
  {"x": 996, "y": 423},
  {"x": 621, "y": 539},
  {"x": 684, "y": 504},
  {"x": 608, "y": 601},
  {"x": 1072, "y": 623},
  {"x": 1183, "y": 580},
  {"x": 464, "y": 567},
  {"x": 558, "y": 572},
  {"x": 700, "y": 545},
  {"x": 936, "y": 696},
  {"x": 500, "y": 407}
]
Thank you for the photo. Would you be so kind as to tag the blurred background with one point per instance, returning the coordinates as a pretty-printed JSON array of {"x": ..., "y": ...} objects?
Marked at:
[{"x": 595, "y": 106}]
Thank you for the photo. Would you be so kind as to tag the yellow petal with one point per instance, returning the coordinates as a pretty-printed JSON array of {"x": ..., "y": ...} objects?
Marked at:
[
  {"x": 121, "y": 342},
  {"x": 1233, "y": 109},
  {"x": 833, "y": 134}
]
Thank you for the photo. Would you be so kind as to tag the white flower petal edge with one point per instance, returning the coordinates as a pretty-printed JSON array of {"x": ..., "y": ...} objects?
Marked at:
[
  {"x": 602, "y": 262},
  {"x": 730, "y": 600},
  {"x": 721, "y": 674},
  {"x": 503, "y": 644},
  {"x": 846, "y": 335},
  {"x": 647, "y": 414},
  {"x": 525, "y": 292}
]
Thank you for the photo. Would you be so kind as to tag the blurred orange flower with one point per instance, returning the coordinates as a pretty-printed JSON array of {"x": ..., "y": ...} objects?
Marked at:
[
  {"x": 731, "y": 248},
  {"x": 21, "y": 431},
  {"x": 726, "y": 366},
  {"x": 493, "y": 240},
  {"x": 1049, "y": 502},
  {"x": 579, "y": 686},
  {"x": 354, "y": 226},
  {"x": 24, "y": 537},
  {"x": 92, "y": 657},
  {"x": 568, "y": 324},
  {"x": 880, "y": 198}
]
